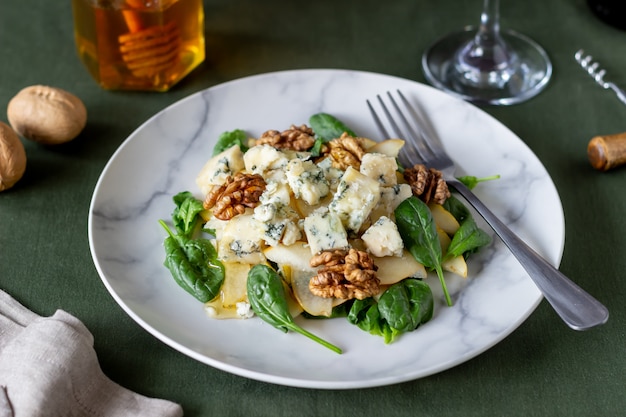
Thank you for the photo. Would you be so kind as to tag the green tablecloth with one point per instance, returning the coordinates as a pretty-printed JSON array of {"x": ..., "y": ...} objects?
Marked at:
[{"x": 543, "y": 368}]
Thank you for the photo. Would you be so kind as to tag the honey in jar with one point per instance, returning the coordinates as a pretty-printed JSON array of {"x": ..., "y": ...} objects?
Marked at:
[{"x": 146, "y": 45}]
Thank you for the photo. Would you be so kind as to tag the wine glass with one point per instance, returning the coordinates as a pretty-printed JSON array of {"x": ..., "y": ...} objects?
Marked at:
[{"x": 486, "y": 65}]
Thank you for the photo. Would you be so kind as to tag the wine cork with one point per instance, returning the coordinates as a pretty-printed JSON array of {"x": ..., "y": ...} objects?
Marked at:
[{"x": 607, "y": 152}]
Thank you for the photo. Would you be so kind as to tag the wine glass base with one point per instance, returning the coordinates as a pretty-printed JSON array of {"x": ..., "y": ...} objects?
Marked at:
[{"x": 525, "y": 79}]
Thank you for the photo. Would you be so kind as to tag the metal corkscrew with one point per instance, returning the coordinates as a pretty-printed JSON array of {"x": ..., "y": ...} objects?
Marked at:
[{"x": 593, "y": 68}]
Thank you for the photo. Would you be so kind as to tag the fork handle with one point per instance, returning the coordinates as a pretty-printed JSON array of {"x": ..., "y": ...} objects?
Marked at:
[{"x": 577, "y": 308}]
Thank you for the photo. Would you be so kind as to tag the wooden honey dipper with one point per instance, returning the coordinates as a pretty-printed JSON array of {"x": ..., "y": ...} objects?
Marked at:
[
  {"x": 148, "y": 51},
  {"x": 607, "y": 152}
]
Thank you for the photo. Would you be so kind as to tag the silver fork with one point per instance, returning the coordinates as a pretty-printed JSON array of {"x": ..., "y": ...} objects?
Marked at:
[{"x": 578, "y": 309}]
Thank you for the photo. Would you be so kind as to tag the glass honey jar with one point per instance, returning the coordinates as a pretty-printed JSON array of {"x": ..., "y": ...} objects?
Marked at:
[{"x": 146, "y": 45}]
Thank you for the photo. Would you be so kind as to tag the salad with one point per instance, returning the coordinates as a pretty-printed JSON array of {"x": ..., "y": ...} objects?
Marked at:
[{"x": 316, "y": 221}]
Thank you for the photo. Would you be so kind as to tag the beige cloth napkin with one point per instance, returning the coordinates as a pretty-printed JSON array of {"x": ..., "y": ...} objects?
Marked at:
[{"x": 48, "y": 367}]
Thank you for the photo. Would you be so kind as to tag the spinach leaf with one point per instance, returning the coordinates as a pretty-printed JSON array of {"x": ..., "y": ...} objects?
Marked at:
[
  {"x": 419, "y": 234},
  {"x": 406, "y": 305},
  {"x": 186, "y": 215},
  {"x": 268, "y": 300},
  {"x": 402, "y": 308},
  {"x": 401, "y": 168},
  {"x": 193, "y": 264},
  {"x": 366, "y": 316},
  {"x": 471, "y": 181},
  {"x": 316, "y": 150},
  {"x": 328, "y": 127},
  {"x": 467, "y": 239},
  {"x": 229, "y": 139},
  {"x": 358, "y": 314}
]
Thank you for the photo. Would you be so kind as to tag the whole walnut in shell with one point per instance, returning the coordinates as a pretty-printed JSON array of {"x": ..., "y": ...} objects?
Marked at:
[
  {"x": 47, "y": 115},
  {"x": 12, "y": 157}
]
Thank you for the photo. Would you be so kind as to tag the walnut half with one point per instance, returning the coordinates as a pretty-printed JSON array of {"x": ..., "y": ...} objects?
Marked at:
[
  {"x": 298, "y": 138},
  {"x": 345, "y": 151},
  {"x": 345, "y": 274},
  {"x": 235, "y": 195},
  {"x": 427, "y": 184}
]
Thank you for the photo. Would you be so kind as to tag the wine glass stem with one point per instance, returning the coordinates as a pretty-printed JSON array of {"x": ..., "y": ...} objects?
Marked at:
[
  {"x": 490, "y": 18},
  {"x": 486, "y": 61},
  {"x": 488, "y": 39}
]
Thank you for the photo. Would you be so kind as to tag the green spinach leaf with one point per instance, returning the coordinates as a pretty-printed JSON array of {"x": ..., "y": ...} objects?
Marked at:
[
  {"x": 186, "y": 216},
  {"x": 328, "y": 127},
  {"x": 366, "y": 316},
  {"x": 358, "y": 315},
  {"x": 407, "y": 304},
  {"x": 419, "y": 234},
  {"x": 402, "y": 308},
  {"x": 229, "y": 139},
  {"x": 316, "y": 150},
  {"x": 471, "y": 181},
  {"x": 193, "y": 264},
  {"x": 268, "y": 300},
  {"x": 469, "y": 237}
]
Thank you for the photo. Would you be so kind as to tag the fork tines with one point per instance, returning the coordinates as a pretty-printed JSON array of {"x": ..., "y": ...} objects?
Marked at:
[{"x": 417, "y": 149}]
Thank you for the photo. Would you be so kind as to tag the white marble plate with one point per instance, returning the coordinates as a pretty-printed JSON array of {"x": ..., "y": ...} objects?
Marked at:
[{"x": 163, "y": 156}]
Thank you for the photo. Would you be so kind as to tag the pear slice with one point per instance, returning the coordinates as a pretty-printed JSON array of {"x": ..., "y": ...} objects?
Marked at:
[
  {"x": 297, "y": 256},
  {"x": 233, "y": 291},
  {"x": 392, "y": 269},
  {"x": 311, "y": 303},
  {"x": 444, "y": 219},
  {"x": 293, "y": 260},
  {"x": 389, "y": 147},
  {"x": 368, "y": 143},
  {"x": 444, "y": 239},
  {"x": 456, "y": 265}
]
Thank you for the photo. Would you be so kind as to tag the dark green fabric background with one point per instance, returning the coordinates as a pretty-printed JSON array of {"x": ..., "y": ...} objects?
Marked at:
[{"x": 542, "y": 369}]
